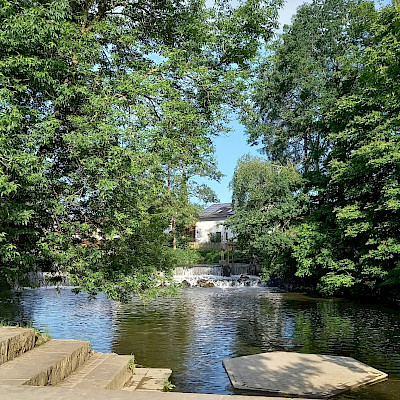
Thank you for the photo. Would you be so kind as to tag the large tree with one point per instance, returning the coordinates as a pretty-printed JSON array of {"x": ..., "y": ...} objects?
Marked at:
[
  {"x": 268, "y": 204},
  {"x": 363, "y": 190},
  {"x": 328, "y": 99},
  {"x": 99, "y": 101},
  {"x": 351, "y": 242},
  {"x": 299, "y": 82}
]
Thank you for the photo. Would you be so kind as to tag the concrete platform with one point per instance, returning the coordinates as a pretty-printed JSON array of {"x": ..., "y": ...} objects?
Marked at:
[
  {"x": 100, "y": 371},
  {"x": 299, "y": 375},
  {"x": 148, "y": 379},
  {"x": 45, "y": 365},
  {"x": 58, "y": 393},
  {"x": 15, "y": 341}
]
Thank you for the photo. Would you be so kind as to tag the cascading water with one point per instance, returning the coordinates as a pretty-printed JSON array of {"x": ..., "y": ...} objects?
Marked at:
[
  {"x": 48, "y": 279},
  {"x": 218, "y": 275}
]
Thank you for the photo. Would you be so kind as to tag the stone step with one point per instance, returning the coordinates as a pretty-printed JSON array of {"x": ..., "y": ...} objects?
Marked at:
[
  {"x": 101, "y": 371},
  {"x": 15, "y": 341},
  {"x": 148, "y": 379},
  {"x": 45, "y": 365}
]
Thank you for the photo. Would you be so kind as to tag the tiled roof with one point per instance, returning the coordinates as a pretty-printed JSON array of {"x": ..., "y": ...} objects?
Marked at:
[{"x": 217, "y": 211}]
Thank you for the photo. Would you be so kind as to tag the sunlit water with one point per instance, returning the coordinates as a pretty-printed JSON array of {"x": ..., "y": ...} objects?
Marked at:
[{"x": 193, "y": 333}]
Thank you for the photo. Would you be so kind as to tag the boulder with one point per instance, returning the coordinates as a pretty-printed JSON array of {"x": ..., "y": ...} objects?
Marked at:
[{"x": 205, "y": 283}]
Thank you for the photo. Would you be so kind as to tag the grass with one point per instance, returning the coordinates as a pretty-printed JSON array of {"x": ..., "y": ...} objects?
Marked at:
[
  {"x": 131, "y": 363},
  {"x": 168, "y": 386},
  {"x": 41, "y": 337}
]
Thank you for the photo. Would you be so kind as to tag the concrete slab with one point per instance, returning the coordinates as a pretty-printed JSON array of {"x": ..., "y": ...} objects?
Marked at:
[
  {"x": 59, "y": 393},
  {"x": 45, "y": 365},
  {"x": 299, "y": 375},
  {"x": 148, "y": 379},
  {"x": 101, "y": 371},
  {"x": 15, "y": 341}
]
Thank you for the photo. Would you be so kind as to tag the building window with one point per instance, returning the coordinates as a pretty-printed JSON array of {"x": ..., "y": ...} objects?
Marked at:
[{"x": 215, "y": 237}]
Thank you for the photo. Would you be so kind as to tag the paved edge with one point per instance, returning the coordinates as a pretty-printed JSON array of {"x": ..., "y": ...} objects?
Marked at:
[
  {"x": 148, "y": 379},
  {"x": 55, "y": 393}
]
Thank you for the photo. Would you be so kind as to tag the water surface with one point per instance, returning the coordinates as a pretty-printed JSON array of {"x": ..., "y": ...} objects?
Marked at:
[{"x": 193, "y": 333}]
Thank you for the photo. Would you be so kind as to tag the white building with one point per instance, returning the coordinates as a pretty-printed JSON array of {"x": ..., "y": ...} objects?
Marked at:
[{"x": 210, "y": 229}]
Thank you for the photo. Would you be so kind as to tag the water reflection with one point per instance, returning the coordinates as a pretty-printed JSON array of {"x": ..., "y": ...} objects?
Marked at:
[
  {"x": 193, "y": 333},
  {"x": 64, "y": 315}
]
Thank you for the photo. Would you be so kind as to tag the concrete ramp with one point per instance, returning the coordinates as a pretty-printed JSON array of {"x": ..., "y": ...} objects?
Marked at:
[{"x": 299, "y": 375}]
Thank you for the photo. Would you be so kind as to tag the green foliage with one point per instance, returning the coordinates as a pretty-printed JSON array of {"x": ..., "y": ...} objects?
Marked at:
[
  {"x": 187, "y": 256},
  {"x": 327, "y": 98},
  {"x": 316, "y": 255},
  {"x": 298, "y": 84},
  {"x": 131, "y": 363},
  {"x": 268, "y": 202},
  {"x": 107, "y": 113},
  {"x": 210, "y": 256},
  {"x": 363, "y": 168},
  {"x": 168, "y": 386}
]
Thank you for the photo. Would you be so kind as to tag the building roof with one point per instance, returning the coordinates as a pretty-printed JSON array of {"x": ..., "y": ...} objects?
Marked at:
[{"x": 217, "y": 211}]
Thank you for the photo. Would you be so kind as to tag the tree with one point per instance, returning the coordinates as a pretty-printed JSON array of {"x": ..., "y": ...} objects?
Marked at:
[
  {"x": 299, "y": 82},
  {"x": 268, "y": 203},
  {"x": 327, "y": 97},
  {"x": 97, "y": 100},
  {"x": 363, "y": 168}
]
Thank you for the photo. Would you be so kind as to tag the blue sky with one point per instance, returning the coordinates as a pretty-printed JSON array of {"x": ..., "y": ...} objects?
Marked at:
[{"x": 229, "y": 148}]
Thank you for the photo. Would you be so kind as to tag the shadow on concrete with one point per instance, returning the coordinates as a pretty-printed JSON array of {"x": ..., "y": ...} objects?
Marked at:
[{"x": 299, "y": 375}]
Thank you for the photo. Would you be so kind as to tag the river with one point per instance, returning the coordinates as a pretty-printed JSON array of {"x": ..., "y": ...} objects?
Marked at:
[{"x": 194, "y": 332}]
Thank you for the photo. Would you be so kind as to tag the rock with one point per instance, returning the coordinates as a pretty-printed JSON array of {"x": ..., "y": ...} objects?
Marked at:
[
  {"x": 244, "y": 280},
  {"x": 205, "y": 283},
  {"x": 185, "y": 283}
]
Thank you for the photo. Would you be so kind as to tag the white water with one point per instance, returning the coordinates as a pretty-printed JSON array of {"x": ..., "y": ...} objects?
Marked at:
[
  {"x": 49, "y": 279},
  {"x": 216, "y": 270},
  {"x": 219, "y": 281},
  {"x": 217, "y": 275}
]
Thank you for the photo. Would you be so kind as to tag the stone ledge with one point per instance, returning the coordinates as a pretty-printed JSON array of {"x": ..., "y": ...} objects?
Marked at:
[
  {"x": 100, "y": 371},
  {"x": 45, "y": 365},
  {"x": 55, "y": 393},
  {"x": 15, "y": 341}
]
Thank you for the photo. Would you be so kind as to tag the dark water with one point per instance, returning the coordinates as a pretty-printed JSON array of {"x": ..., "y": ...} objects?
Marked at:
[{"x": 193, "y": 333}]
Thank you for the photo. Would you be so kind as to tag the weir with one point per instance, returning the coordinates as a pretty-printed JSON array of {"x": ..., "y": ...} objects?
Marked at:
[
  {"x": 48, "y": 279},
  {"x": 218, "y": 275},
  {"x": 216, "y": 270}
]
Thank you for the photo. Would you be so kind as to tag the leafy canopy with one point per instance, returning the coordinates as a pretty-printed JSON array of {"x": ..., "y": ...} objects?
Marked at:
[{"x": 101, "y": 103}]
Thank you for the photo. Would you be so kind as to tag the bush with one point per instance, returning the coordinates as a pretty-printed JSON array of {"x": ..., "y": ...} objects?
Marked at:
[{"x": 187, "y": 257}]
